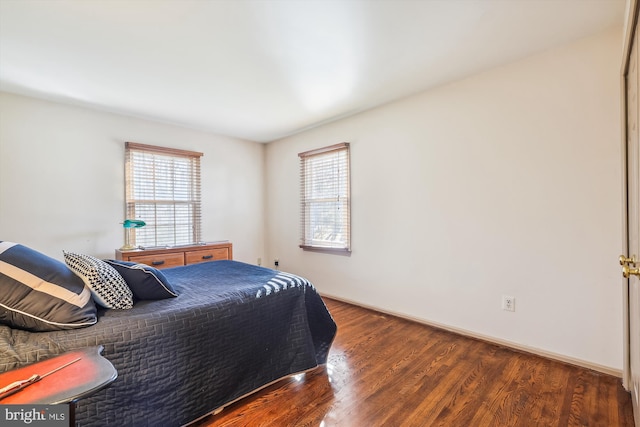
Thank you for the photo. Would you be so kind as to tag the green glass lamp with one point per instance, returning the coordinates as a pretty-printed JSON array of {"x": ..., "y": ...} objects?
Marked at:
[{"x": 129, "y": 225}]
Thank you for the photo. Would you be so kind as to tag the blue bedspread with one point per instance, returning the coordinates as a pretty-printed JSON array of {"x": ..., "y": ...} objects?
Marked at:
[{"x": 233, "y": 328}]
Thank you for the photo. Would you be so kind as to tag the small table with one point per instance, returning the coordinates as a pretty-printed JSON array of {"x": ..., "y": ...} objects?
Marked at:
[{"x": 68, "y": 385}]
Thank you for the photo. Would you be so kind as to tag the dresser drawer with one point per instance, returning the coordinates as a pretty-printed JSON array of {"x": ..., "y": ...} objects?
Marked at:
[
  {"x": 166, "y": 257},
  {"x": 160, "y": 260},
  {"x": 214, "y": 254}
]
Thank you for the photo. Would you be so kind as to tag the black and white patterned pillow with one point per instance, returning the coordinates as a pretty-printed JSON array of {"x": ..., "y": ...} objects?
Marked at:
[{"x": 107, "y": 286}]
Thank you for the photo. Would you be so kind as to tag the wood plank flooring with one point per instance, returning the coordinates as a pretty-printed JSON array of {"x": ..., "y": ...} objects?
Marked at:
[{"x": 387, "y": 371}]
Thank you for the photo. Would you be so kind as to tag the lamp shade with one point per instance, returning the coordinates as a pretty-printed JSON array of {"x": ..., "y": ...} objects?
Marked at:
[
  {"x": 133, "y": 223},
  {"x": 129, "y": 225}
]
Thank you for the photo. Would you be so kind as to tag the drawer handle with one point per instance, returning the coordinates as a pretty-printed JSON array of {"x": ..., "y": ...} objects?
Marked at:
[
  {"x": 157, "y": 262},
  {"x": 207, "y": 256}
]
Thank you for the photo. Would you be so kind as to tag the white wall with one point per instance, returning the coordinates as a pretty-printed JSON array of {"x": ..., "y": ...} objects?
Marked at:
[
  {"x": 507, "y": 182},
  {"x": 62, "y": 178}
]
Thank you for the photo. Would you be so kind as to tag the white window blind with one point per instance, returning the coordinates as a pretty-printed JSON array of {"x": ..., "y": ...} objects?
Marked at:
[
  {"x": 325, "y": 217},
  {"x": 163, "y": 190}
]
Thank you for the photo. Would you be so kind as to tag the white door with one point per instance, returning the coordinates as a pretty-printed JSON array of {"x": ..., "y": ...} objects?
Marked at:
[
  {"x": 631, "y": 264},
  {"x": 632, "y": 273}
]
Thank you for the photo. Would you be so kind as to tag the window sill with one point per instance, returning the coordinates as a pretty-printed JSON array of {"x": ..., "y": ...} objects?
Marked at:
[{"x": 337, "y": 251}]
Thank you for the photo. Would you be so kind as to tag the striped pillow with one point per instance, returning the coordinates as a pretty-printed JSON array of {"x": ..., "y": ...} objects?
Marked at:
[{"x": 39, "y": 293}]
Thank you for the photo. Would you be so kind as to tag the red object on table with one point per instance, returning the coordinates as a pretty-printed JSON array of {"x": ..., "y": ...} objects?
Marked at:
[{"x": 71, "y": 383}]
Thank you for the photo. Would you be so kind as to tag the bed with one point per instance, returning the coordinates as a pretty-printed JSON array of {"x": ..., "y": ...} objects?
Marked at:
[{"x": 233, "y": 329}]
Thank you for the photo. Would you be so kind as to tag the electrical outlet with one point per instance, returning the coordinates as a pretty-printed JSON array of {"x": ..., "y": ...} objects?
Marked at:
[
  {"x": 259, "y": 261},
  {"x": 508, "y": 303},
  {"x": 276, "y": 262}
]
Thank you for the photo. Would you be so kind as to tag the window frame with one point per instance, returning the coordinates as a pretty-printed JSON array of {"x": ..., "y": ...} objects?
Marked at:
[
  {"x": 194, "y": 201},
  {"x": 306, "y": 241}
]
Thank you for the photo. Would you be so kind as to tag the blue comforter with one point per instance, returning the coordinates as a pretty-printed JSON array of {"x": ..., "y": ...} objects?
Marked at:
[{"x": 233, "y": 328}]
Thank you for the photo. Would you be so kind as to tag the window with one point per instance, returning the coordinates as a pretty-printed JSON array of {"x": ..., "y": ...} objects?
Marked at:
[
  {"x": 163, "y": 190},
  {"x": 324, "y": 199}
]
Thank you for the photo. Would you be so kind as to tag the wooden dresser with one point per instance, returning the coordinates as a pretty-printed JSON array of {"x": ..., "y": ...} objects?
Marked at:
[{"x": 176, "y": 256}]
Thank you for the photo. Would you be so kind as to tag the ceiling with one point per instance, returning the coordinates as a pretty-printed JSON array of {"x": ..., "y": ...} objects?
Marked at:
[{"x": 264, "y": 69}]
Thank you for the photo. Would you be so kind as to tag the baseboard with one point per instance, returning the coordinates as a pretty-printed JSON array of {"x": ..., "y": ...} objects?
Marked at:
[{"x": 527, "y": 349}]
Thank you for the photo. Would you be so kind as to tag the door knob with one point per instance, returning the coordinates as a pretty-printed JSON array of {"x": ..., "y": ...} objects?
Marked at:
[
  {"x": 625, "y": 261},
  {"x": 627, "y": 271}
]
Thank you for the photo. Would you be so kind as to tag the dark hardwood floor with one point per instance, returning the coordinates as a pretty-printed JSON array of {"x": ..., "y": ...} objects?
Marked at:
[{"x": 387, "y": 371}]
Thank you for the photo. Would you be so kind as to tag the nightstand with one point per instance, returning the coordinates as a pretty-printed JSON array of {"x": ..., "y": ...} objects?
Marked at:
[{"x": 79, "y": 379}]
